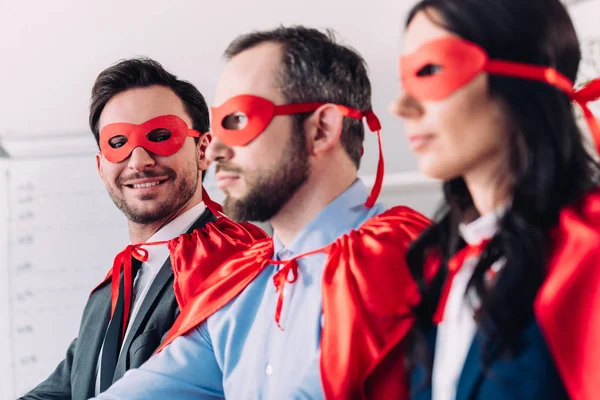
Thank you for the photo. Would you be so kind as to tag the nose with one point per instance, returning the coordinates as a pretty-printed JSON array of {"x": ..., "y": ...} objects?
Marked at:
[
  {"x": 218, "y": 151},
  {"x": 140, "y": 159},
  {"x": 406, "y": 106}
]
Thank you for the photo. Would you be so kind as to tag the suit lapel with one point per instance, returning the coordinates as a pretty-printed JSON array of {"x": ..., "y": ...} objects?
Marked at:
[
  {"x": 92, "y": 338},
  {"x": 162, "y": 279},
  {"x": 420, "y": 381},
  {"x": 472, "y": 371}
]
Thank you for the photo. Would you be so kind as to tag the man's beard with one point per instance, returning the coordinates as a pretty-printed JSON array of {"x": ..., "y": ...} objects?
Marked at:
[
  {"x": 273, "y": 189},
  {"x": 184, "y": 190}
]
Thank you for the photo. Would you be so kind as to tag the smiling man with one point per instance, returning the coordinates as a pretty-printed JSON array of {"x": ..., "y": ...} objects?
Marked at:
[{"x": 152, "y": 130}]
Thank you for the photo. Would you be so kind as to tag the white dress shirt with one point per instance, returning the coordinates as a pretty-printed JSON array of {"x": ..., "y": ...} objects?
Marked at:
[
  {"x": 457, "y": 330},
  {"x": 157, "y": 255}
]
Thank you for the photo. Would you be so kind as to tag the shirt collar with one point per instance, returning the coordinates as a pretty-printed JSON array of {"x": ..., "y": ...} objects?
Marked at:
[
  {"x": 483, "y": 228},
  {"x": 343, "y": 214},
  {"x": 181, "y": 224}
]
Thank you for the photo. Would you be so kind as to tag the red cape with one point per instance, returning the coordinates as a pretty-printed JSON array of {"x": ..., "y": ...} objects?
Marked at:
[
  {"x": 568, "y": 304},
  {"x": 208, "y": 247},
  {"x": 368, "y": 293}
]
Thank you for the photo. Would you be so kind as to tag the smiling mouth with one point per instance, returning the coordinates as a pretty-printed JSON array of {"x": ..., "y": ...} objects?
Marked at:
[{"x": 146, "y": 185}]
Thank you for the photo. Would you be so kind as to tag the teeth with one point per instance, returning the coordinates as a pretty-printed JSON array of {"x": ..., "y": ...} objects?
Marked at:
[{"x": 145, "y": 185}]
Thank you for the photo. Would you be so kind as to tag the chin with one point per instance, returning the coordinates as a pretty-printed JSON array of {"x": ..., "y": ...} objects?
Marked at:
[
  {"x": 231, "y": 199},
  {"x": 234, "y": 194},
  {"x": 438, "y": 171}
]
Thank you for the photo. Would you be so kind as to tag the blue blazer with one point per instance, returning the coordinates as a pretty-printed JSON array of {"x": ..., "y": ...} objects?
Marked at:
[{"x": 529, "y": 375}]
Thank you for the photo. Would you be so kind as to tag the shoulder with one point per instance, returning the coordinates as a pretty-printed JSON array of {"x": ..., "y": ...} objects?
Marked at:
[
  {"x": 223, "y": 231},
  {"x": 575, "y": 241},
  {"x": 374, "y": 255},
  {"x": 585, "y": 211},
  {"x": 200, "y": 261},
  {"x": 103, "y": 290},
  {"x": 569, "y": 293},
  {"x": 579, "y": 225},
  {"x": 398, "y": 225}
]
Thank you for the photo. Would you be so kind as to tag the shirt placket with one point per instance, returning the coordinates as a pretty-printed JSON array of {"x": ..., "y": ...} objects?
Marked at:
[{"x": 276, "y": 337}]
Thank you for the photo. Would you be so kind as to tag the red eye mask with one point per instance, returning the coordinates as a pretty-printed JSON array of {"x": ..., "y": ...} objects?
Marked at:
[
  {"x": 242, "y": 118},
  {"x": 440, "y": 67},
  {"x": 162, "y": 135},
  {"x": 257, "y": 113}
]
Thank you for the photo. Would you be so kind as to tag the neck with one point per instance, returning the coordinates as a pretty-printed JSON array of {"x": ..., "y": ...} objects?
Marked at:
[
  {"x": 309, "y": 200},
  {"x": 489, "y": 186},
  {"x": 139, "y": 233}
]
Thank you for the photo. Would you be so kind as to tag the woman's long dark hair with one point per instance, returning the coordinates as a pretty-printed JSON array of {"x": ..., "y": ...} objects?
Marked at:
[{"x": 549, "y": 166}]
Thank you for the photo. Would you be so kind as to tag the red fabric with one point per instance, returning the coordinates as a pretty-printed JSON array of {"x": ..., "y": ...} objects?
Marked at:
[
  {"x": 367, "y": 297},
  {"x": 209, "y": 247},
  {"x": 122, "y": 262},
  {"x": 283, "y": 276},
  {"x": 137, "y": 136},
  {"x": 280, "y": 279},
  {"x": 213, "y": 206},
  {"x": 454, "y": 265},
  {"x": 568, "y": 304},
  {"x": 194, "y": 256},
  {"x": 220, "y": 287}
]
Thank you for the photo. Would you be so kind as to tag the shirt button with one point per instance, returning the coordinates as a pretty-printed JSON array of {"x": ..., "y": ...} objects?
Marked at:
[{"x": 269, "y": 369}]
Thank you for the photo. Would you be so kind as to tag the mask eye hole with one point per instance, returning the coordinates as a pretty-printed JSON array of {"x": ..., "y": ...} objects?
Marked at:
[
  {"x": 429, "y": 70},
  {"x": 117, "y": 141},
  {"x": 235, "y": 121},
  {"x": 159, "y": 135}
]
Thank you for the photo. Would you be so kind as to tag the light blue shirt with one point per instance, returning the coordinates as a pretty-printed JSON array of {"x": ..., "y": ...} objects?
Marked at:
[{"x": 240, "y": 352}]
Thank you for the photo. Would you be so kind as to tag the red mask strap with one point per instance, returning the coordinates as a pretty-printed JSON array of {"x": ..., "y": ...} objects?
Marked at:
[
  {"x": 532, "y": 72},
  {"x": 213, "y": 206},
  {"x": 124, "y": 259},
  {"x": 375, "y": 126},
  {"x": 590, "y": 92},
  {"x": 297, "y": 108}
]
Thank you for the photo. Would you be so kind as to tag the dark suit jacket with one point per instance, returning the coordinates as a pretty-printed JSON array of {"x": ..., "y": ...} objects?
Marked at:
[
  {"x": 75, "y": 376},
  {"x": 529, "y": 375}
]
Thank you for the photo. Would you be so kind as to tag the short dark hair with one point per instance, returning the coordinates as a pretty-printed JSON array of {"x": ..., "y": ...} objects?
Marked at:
[
  {"x": 139, "y": 73},
  {"x": 315, "y": 68}
]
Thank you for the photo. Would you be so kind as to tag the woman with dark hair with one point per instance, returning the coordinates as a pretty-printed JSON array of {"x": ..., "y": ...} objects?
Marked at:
[{"x": 511, "y": 308}]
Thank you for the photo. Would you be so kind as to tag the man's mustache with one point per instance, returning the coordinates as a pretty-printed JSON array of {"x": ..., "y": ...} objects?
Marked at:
[
  {"x": 147, "y": 174},
  {"x": 224, "y": 167}
]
